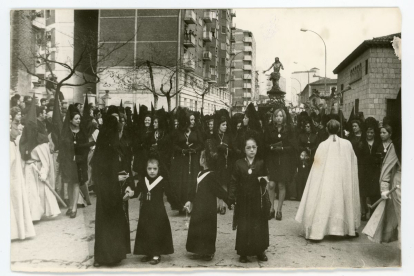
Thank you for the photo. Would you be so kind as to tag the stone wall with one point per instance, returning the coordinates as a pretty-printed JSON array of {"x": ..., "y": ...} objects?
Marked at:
[{"x": 381, "y": 82}]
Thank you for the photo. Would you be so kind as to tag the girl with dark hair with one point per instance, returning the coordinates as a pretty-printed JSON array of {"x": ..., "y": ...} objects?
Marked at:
[
  {"x": 202, "y": 232},
  {"x": 247, "y": 190},
  {"x": 153, "y": 237},
  {"x": 278, "y": 139},
  {"x": 73, "y": 153},
  {"x": 185, "y": 165},
  {"x": 111, "y": 165}
]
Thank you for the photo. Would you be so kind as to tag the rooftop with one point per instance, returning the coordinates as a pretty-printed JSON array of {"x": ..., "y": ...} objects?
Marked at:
[{"x": 382, "y": 41}]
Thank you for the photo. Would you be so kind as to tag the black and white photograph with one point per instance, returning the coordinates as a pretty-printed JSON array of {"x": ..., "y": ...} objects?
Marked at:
[{"x": 178, "y": 139}]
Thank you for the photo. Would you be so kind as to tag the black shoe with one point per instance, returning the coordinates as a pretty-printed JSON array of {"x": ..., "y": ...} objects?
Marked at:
[
  {"x": 243, "y": 259},
  {"x": 279, "y": 215},
  {"x": 223, "y": 211},
  {"x": 69, "y": 212},
  {"x": 262, "y": 257},
  {"x": 272, "y": 214},
  {"x": 208, "y": 258},
  {"x": 155, "y": 261},
  {"x": 73, "y": 214},
  {"x": 146, "y": 259}
]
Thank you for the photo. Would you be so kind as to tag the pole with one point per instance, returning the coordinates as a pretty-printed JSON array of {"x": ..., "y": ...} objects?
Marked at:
[{"x": 177, "y": 79}]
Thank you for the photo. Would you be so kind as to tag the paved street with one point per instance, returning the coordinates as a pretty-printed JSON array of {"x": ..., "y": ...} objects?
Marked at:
[{"x": 67, "y": 244}]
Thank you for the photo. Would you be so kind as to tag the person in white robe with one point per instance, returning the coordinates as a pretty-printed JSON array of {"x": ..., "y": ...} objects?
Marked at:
[
  {"x": 330, "y": 203},
  {"x": 20, "y": 217}
]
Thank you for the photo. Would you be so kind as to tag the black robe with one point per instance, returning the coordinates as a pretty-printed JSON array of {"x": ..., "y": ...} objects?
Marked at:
[
  {"x": 202, "y": 232},
  {"x": 301, "y": 178},
  {"x": 112, "y": 155},
  {"x": 225, "y": 158},
  {"x": 153, "y": 236},
  {"x": 369, "y": 169},
  {"x": 252, "y": 236},
  {"x": 185, "y": 167}
]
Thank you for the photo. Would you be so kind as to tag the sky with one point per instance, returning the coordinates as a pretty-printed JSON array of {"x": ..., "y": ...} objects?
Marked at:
[{"x": 277, "y": 34}]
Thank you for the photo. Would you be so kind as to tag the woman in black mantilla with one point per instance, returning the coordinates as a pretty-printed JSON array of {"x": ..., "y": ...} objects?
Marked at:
[
  {"x": 111, "y": 164},
  {"x": 202, "y": 232},
  {"x": 369, "y": 168},
  {"x": 73, "y": 154},
  {"x": 185, "y": 165},
  {"x": 279, "y": 159},
  {"x": 144, "y": 131},
  {"x": 225, "y": 150},
  {"x": 159, "y": 142},
  {"x": 153, "y": 237},
  {"x": 247, "y": 191}
]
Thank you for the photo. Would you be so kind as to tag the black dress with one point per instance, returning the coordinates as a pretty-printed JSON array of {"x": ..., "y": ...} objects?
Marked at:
[
  {"x": 153, "y": 236},
  {"x": 308, "y": 142},
  {"x": 112, "y": 155},
  {"x": 369, "y": 169},
  {"x": 252, "y": 236},
  {"x": 185, "y": 166},
  {"x": 202, "y": 231},
  {"x": 225, "y": 158},
  {"x": 279, "y": 163},
  {"x": 160, "y": 143},
  {"x": 141, "y": 151}
]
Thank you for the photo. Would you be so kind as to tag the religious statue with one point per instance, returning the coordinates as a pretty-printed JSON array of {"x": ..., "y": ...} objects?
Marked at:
[{"x": 275, "y": 76}]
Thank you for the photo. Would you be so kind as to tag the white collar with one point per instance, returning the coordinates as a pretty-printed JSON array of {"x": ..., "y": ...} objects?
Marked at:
[
  {"x": 153, "y": 184},
  {"x": 201, "y": 177}
]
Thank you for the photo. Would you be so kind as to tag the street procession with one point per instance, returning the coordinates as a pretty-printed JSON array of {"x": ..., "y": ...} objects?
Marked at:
[{"x": 172, "y": 147}]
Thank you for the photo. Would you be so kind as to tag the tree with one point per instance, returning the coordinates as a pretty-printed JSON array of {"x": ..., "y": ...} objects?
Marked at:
[{"x": 87, "y": 66}]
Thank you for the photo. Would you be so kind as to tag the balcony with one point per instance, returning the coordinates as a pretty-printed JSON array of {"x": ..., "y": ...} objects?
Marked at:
[
  {"x": 247, "y": 39},
  {"x": 247, "y": 77},
  {"x": 208, "y": 16},
  {"x": 189, "y": 41},
  {"x": 247, "y": 85},
  {"x": 189, "y": 64},
  {"x": 213, "y": 75},
  {"x": 247, "y": 57},
  {"x": 190, "y": 17},
  {"x": 233, "y": 14},
  {"x": 207, "y": 75},
  {"x": 233, "y": 26},
  {"x": 233, "y": 64},
  {"x": 247, "y": 67},
  {"x": 232, "y": 39},
  {"x": 207, "y": 55},
  {"x": 248, "y": 48},
  {"x": 227, "y": 56},
  {"x": 233, "y": 52},
  {"x": 207, "y": 36}
]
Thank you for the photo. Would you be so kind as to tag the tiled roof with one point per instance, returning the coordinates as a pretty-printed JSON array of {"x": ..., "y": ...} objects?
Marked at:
[{"x": 376, "y": 41}]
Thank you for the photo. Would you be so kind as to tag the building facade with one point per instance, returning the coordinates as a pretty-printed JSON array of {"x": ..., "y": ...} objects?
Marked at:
[
  {"x": 55, "y": 33},
  {"x": 318, "y": 87},
  {"x": 243, "y": 65},
  {"x": 370, "y": 78},
  {"x": 188, "y": 51}
]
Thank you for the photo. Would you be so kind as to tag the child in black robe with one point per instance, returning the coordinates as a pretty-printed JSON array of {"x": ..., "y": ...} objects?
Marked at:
[
  {"x": 302, "y": 174},
  {"x": 202, "y": 232},
  {"x": 153, "y": 237}
]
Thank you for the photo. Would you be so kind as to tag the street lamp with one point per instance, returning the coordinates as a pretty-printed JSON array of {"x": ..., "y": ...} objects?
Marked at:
[{"x": 306, "y": 30}]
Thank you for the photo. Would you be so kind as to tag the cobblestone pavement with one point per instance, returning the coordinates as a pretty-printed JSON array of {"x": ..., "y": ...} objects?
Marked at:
[{"x": 67, "y": 244}]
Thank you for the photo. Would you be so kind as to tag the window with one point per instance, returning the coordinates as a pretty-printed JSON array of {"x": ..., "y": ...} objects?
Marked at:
[
  {"x": 366, "y": 67},
  {"x": 200, "y": 42},
  {"x": 342, "y": 87},
  {"x": 223, "y": 14},
  {"x": 47, "y": 14},
  {"x": 223, "y": 46},
  {"x": 182, "y": 101},
  {"x": 223, "y": 77},
  {"x": 223, "y": 29},
  {"x": 195, "y": 106},
  {"x": 223, "y": 61}
]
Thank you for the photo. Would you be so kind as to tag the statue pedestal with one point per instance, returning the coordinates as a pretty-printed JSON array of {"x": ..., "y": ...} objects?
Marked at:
[{"x": 276, "y": 93}]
